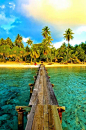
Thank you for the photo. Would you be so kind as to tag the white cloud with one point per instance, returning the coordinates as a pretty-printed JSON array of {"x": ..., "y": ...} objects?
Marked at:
[
  {"x": 12, "y": 5},
  {"x": 80, "y": 29},
  {"x": 25, "y": 39},
  {"x": 2, "y": 6},
  {"x": 5, "y": 22},
  {"x": 58, "y": 44},
  {"x": 60, "y": 14},
  {"x": 66, "y": 12},
  {"x": 72, "y": 42},
  {"x": 6, "y": 19}
]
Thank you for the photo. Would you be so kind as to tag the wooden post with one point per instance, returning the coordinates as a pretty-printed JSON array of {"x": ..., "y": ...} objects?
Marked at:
[
  {"x": 35, "y": 77},
  {"x": 52, "y": 85},
  {"x": 37, "y": 73},
  {"x": 48, "y": 76},
  {"x": 21, "y": 110},
  {"x": 20, "y": 119},
  {"x": 60, "y": 115},
  {"x": 60, "y": 110},
  {"x": 31, "y": 89}
]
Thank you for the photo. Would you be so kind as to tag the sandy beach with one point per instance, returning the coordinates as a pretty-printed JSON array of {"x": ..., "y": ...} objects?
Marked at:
[{"x": 28, "y": 65}]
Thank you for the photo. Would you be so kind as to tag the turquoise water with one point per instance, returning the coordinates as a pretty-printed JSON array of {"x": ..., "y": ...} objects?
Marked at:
[
  {"x": 70, "y": 90},
  {"x": 14, "y": 91}
]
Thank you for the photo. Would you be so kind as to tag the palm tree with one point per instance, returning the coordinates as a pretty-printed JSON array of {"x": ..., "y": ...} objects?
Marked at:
[
  {"x": 45, "y": 48},
  {"x": 68, "y": 35},
  {"x": 45, "y": 31},
  {"x": 18, "y": 41},
  {"x": 49, "y": 40},
  {"x": 2, "y": 41},
  {"x": 30, "y": 42},
  {"x": 9, "y": 42},
  {"x": 46, "y": 43},
  {"x": 35, "y": 52}
]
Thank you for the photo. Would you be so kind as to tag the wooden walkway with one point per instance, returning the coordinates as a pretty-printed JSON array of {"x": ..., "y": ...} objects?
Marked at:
[{"x": 44, "y": 114}]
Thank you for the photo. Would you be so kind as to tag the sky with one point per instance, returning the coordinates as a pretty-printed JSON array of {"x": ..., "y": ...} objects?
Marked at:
[{"x": 29, "y": 17}]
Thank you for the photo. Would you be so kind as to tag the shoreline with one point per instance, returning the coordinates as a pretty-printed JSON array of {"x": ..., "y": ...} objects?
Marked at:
[{"x": 27, "y": 65}]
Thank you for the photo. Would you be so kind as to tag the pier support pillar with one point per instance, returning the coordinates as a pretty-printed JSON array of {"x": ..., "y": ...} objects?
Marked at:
[
  {"x": 60, "y": 110},
  {"x": 20, "y": 119},
  {"x": 31, "y": 89}
]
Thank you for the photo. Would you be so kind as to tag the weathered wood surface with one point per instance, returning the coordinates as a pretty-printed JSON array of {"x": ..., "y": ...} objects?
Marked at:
[{"x": 44, "y": 114}]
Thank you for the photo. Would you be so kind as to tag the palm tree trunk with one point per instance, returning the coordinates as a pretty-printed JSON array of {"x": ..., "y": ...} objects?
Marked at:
[
  {"x": 67, "y": 51},
  {"x": 47, "y": 59},
  {"x": 51, "y": 59},
  {"x": 25, "y": 58},
  {"x": 31, "y": 59},
  {"x": 55, "y": 57},
  {"x": 35, "y": 59},
  {"x": 51, "y": 56}
]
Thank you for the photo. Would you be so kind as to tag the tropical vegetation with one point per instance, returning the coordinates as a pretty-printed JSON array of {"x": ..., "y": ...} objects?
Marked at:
[
  {"x": 44, "y": 51},
  {"x": 68, "y": 35}
]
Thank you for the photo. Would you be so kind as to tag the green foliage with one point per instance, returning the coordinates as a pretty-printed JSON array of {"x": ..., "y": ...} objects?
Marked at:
[
  {"x": 61, "y": 53},
  {"x": 68, "y": 36},
  {"x": 46, "y": 42},
  {"x": 18, "y": 41},
  {"x": 9, "y": 42},
  {"x": 83, "y": 46},
  {"x": 29, "y": 42},
  {"x": 34, "y": 52},
  {"x": 45, "y": 51},
  {"x": 5, "y": 52},
  {"x": 45, "y": 32},
  {"x": 80, "y": 53}
]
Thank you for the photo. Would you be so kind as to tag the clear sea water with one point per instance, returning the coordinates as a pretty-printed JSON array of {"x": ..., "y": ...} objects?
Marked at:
[
  {"x": 70, "y": 90},
  {"x": 14, "y": 91}
]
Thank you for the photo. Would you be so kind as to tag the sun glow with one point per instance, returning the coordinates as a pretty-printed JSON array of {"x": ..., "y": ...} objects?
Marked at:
[
  {"x": 60, "y": 4},
  {"x": 66, "y": 12}
]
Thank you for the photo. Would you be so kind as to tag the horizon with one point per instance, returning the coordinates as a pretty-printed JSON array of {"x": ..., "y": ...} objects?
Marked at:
[{"x": 28, "y": 17}]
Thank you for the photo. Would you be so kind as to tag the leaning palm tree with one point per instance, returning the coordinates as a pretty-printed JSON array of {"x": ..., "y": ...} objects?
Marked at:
[
  {"x": 30, "y": 42},
  {"x": 68, "y": 35},
  {"x": 45, "y": 31}
]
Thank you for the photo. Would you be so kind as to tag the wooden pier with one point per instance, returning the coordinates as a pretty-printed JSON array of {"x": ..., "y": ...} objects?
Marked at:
[{"x": 45, "y": 113}]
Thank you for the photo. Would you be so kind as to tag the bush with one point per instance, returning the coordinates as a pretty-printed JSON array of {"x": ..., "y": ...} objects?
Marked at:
[
  {"x": 1, "y": 60},
  {"x": 27, "y": 61}
]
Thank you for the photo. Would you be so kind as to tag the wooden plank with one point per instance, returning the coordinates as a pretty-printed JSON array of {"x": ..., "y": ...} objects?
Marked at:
[
  {"x": 50, "y": 118},
  {"x": 30, "y": 118},
  {"x": 51, "y": 92},
  {"x": 35, "y": 92},
  {"x": 56, "y": 120},
  {"x": 40, "y": 92},
  {"x": 45, "y": 92},
  {"x": 38, "y": 118},
  {"x": 46, "y": 117}
]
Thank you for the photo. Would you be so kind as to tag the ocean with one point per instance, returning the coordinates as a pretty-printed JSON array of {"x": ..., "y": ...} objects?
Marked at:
[{"x": 69, "y": 88}]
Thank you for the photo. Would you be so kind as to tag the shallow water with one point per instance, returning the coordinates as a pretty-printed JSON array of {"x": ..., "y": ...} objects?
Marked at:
[
  {"x": 70, "y": 90},
  {"x": 14, "y": 91}
]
